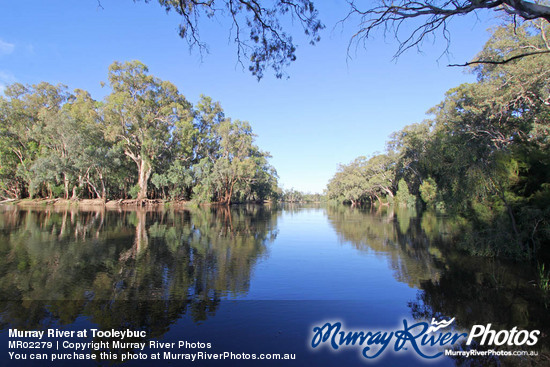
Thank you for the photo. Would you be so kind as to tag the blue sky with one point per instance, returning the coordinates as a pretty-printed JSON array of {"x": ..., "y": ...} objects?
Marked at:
[{"x": 331, "y": 109}]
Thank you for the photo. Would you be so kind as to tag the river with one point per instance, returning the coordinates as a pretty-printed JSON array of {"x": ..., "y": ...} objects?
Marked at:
[{"x": 253, "y": 280}]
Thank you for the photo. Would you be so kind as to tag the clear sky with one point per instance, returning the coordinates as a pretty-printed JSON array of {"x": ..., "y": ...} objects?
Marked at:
[{"x": 329, "y": 111}]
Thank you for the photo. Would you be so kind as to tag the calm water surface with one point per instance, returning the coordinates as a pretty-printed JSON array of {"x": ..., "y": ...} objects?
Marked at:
[{"x": 254, "y": 279}]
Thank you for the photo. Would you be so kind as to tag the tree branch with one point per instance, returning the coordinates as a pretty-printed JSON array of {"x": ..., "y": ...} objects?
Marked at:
[
  {"x": 433, "y": 16},
  {"x": 500, "y": 62},
  {"x": 269, "y": 45}
]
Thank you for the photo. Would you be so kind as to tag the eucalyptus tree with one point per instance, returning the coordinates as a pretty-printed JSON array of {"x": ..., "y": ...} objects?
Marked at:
[
  {"x": 239, "y": 170},
  {"x": 489, "y": 150},
  {"x": 380, "y": 172},
  {"x": 140, "y": 115},
  {"x": 484, "y": 154},
  {"x": 292, "y": 196},
  {"x": 348, "y": 183},
  {"x": 27, "y": 111},
  {"x": 264, "y": 184},
  {"x": 196, "y": 146},
  {"x": 54, "y": 165},
  {"x": 64, "y": 136},
  {"x": 482, "y": 125},
  {"x": 96, "y": 163},
  {"x": 365, "y": 179},
  {"x": 240, "y": 162},
  {"x": 208, "y": 117},
  {"x": 410, "y": 146},
  {"x": 11, "y": 186},
  {"x": 518, "y": 92}
]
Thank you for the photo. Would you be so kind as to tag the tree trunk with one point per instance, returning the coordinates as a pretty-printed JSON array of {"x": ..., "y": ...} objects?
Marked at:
[
  {"x": 387, "y": 190},
  {"x": 66, "y": 182},
  {"x": 144, "y": 173},
  {"x": 74, "y": 196},
  {"x": 379, "y": 200},
  {"x": 97, "y": 194},
  {"x": 80, "y": 184},
  {"x": 103, "y": 190},
  {"x": 230, "y": 193}
]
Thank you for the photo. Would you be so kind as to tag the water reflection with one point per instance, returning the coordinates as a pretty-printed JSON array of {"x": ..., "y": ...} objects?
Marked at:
[
  {"x": 59, "y": 264},
  {"x": 389, "y": 234},
  {"x": 481, "y": 291},
  {"x": 473, "y": 290},
  {"x": 144, "y": 270}
]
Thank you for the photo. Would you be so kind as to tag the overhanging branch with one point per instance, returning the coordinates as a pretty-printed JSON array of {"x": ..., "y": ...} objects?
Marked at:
[
  {"x": 501, "y": 62},
  {"x": 433, "y": 16}
]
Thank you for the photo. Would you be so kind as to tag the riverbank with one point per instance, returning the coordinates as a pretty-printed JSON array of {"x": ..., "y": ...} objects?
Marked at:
[{"x": 114, "y": 204}]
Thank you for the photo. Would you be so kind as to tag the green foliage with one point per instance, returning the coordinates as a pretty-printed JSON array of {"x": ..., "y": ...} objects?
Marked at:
[
  {"x": 364, "y": 180},
  {"x": 484, "y": 155},
  {"x": 59, "y": 144},
  {"x": 428, "y": 192},
  {"x": 403, "y": 196},
  {"x": 134, "y": 191},
  {"x": 292, "y": 196},
  {"x": 296, "y": 196},
  {"x": 27, "y": 113},
  {"x": 240, "y": 170},
  {"x": 175, "y": 183}
]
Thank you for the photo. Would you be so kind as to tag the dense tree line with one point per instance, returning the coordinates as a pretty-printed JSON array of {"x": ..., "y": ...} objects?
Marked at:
[
  {"x": 485, "y": 154},
  {"x": 295, "y": 196},
  {"x": 145, "y": 140}
]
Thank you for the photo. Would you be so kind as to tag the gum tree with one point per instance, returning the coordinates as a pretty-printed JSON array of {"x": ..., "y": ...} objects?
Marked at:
[
  {"x": 239, "y": 169},
  {"x": 141, "y": 115},
  {"x": 25, "y": 113}
]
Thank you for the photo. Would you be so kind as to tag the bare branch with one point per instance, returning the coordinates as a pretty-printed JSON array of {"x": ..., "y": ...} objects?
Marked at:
[
  {"x": 501, "y": 62},
  {"x": 431, "y": 15}
]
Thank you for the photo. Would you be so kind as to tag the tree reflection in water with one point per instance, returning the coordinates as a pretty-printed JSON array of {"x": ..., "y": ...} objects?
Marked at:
[
  {"x": 126, "y": 268},
  {"x": 474, "y": 290},
  {"x": 389, "y": 234},
  {"x": 143, "y": 270}
]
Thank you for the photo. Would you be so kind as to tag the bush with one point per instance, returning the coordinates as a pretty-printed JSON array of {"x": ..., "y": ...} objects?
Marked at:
[
  {"x": 403, "y": 197},
  {"x": 428, "y": 192}
]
